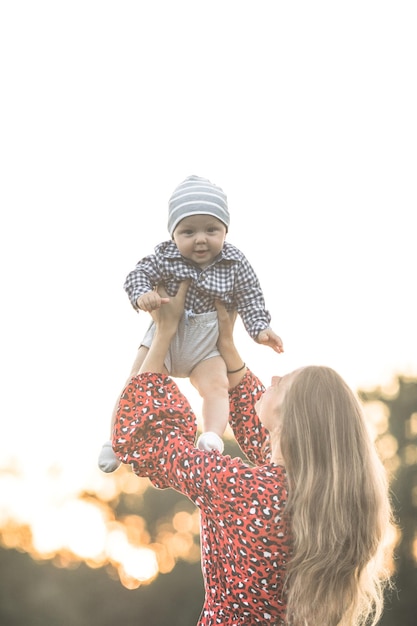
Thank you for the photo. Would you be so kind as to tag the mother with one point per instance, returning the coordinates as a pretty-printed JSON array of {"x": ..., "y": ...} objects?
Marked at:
[{"x": 297, "y": 535}]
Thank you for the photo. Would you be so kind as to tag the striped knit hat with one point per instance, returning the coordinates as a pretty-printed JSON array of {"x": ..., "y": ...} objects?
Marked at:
[{"x": 197, "y": 196}]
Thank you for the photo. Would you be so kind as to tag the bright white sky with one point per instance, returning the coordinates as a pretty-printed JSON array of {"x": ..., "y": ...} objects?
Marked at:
[{"x": 305, "y": 114}]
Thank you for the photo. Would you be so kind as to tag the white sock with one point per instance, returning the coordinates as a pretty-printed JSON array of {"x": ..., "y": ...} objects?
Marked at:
[
  {"x": 210, "y": 441},
  {"x": 107, "y": 460}
]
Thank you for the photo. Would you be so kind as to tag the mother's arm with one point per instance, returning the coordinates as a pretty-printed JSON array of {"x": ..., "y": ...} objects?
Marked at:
[
  {"x": 235, "y": 365},
  {"x": 245, "y": 390}
]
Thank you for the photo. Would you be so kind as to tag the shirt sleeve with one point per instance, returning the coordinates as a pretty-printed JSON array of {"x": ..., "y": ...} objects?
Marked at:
[
  {"x": 252, "y": 437},
  {"x": 250, "y": 300},
  {"x": 153, "y": 418},
  {"x": 142, "y": 279}
]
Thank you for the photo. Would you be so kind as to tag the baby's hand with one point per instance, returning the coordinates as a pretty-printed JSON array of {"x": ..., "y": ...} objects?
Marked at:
[
  {"x": 150, "y": 301},
  {"x": 268, "y": 338}
]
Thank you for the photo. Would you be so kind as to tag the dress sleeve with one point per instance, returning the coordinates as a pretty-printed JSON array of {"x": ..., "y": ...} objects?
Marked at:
[
  {"x": 154, "y": 420},
  {"x": 252, "y": 437},
  {"x": 155, "y": 430}
]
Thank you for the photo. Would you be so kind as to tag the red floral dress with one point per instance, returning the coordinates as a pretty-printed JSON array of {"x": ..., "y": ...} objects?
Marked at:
[{"x": 245, "y": 538}]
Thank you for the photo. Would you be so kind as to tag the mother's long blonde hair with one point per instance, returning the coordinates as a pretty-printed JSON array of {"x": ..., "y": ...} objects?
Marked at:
[{"x": 338, "y": 502}]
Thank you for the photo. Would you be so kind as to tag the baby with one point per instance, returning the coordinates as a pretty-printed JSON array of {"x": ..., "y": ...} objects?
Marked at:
[{"x": 198, "y": 221}]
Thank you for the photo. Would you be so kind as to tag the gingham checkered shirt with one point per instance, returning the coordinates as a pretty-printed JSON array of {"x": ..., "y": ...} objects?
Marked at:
[{"x": 230, "y": 278}]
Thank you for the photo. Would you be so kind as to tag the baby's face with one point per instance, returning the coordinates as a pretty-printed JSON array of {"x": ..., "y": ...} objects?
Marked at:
[{"x": 200, "y": 238}]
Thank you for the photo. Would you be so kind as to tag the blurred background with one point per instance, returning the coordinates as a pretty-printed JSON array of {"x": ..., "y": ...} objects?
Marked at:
[{"x": 304, "y": 113}]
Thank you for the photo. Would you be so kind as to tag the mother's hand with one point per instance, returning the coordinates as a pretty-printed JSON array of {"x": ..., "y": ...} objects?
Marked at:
[
  {"x": 168, "y": 315},
  {"x": 166, "y": 319},
  {"x": 226, "y": 320}
]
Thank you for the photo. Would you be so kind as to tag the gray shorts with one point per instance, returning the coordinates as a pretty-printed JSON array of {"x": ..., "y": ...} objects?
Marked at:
[{"x": 194, "y": 341}]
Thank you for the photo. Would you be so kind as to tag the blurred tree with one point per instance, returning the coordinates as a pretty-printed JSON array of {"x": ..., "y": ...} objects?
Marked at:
[
  {"x": 402, "y": 465},
  {"x": 40, "y": 594}
]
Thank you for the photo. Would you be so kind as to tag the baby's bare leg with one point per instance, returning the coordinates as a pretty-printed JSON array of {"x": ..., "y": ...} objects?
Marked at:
[{"x": 210, "y": 379}]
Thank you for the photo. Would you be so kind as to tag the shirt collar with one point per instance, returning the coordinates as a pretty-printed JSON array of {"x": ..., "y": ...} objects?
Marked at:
[{"x": 228, "y": 253}]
